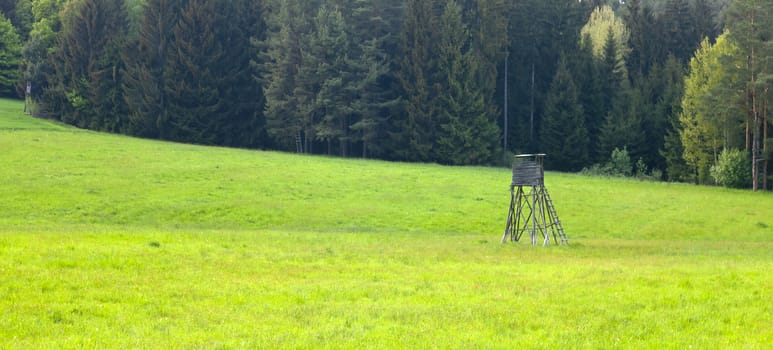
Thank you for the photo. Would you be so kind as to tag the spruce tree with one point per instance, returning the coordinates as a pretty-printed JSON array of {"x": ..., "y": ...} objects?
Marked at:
[
  {"x": 589, "y": 81},
  {"x": 283, "y": 59},
  {"x": 324, "y": 86},
  {"x": 374, "y": 28},
  {"x": 679, "y": 35},
  {"x": 564, "y": 135},
  {"x": 239, "y": 120},
  {"x": 194, "y": 97},
  {"x": 468, "y": 134},
  {"x": 644, "y": 39},
  {"x": 414, "y": 134},
  {"x": 146, "y": 81},
  {"x": 87, "y": 66}
]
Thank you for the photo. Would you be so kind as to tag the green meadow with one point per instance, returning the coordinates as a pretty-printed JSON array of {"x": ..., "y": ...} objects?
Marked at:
[{"x": 114, "y": 242}]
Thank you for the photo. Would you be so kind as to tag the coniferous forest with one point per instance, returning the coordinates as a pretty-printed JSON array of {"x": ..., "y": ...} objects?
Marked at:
[{"x": 681, "y": 87}]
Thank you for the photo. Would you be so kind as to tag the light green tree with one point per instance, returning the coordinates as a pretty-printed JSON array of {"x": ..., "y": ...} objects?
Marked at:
[
  {"x": 710, "y": 113},
  {"x": 602, "y": 21}
]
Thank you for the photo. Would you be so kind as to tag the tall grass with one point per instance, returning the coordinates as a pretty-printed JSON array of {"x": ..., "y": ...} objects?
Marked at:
[{"x": 113, "y": 242}]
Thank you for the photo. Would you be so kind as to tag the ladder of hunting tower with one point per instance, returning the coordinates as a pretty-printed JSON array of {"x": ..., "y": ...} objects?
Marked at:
[{"x": 554, "y": 221}]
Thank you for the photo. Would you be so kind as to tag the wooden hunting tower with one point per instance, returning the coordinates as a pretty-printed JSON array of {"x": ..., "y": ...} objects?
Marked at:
[{"x": 532, "y": 210}]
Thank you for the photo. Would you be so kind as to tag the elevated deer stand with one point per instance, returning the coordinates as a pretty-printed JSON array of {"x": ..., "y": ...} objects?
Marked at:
[{"x": 532, "y": 211}]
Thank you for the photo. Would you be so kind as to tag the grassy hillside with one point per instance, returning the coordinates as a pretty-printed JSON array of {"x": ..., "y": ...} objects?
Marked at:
[{"x": 114, "y": 242}]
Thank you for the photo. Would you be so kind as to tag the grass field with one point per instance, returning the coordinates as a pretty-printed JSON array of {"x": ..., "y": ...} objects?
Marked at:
[{"x": 113, "y": 242}]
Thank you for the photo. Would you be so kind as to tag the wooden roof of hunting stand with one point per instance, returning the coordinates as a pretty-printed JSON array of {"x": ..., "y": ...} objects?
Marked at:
[{"x": 528, "y": 170}]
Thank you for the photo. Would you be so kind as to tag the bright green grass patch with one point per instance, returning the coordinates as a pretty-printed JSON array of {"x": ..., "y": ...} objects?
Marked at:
[
  {"x": 114, "y": 242},
  {"x": 12, "y": 118},
  {"x": 84, "y": 178},
  {"x": 311, "y": 290}
]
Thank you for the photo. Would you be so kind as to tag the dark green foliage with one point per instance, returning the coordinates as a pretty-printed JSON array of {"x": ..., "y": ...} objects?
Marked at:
[
  {"x": 401, "y": 80},
  {"x": 589, "y": 82},
  {"x": 239, "y": 120},
  {"x": 374, "y": 24},
  {"x": 621, "y": 104},
  {"x": 86, "y": 80},
  {"x": 38, "y": 50},
  {"x": 676, "y": 168},
  {"x": 10, "y": 58},
  {"x": 19, "y": 12},
  {"x": 646, "y": 35},
  {"x": 564, "y": 135},
  {"x": 622, "y": 127},
  {"x": 417, "y": 74},
  {"x": 326, "y": 82},
  {"x": 612, "y": 71},
  {"x": 539, "y": 31},
  {"x": 668, "y": 108},
  {"x": 194, "y": 96},
  {"x": 146, "y": 81},
  {"x": 679, "y": 34},
  {"x": 190, "y": 79},
  {"x": 662, "y": 92},
  {"x": 283, "y": 59},
  {"x": 468, "y": 133}
]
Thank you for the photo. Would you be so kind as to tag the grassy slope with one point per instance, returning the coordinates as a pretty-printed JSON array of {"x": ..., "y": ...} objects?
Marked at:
[{"x": 108, "y": 241}]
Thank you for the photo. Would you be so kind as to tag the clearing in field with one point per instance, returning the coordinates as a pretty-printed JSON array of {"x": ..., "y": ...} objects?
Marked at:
[{"x": 113, "y": 242}]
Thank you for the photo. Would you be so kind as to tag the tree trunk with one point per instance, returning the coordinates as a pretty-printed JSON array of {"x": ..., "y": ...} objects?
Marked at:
[
  {"x": 531, "y": 116},
  {"x": 755, "y": 124},
  {"x": 506, "y": 97},
  {"x": 765, "y": 141}
]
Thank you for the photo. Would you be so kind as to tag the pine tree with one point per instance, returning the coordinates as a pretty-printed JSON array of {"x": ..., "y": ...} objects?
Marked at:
[
  {"x": 374, "y": 41},
  {"x": 194, "y": 98},
  {"x": 86, "y": 81},
  {"x": 325, "y": 82},
  {"x": 665, "y": 88},
  {"x": 612, "y": 84},
  {"x": 590, "y": 82},
  {"x": 540, "y": 31},
  {"x": 146, "y": 81},
  {"x": 622, "y": 128},
  {"x": 468, "y": 133},
  {"x": 415, "y": 129},
  {"x": 676, "y": 167},
  {"x": 564, "y": 135},
  {"x": 622, "y": 105},
  {"x": 283, "y": 57},
  {"x": 679, "y": 35},
  {"x": 644, "y": 38},
  {"x": 239, "y": 121}
]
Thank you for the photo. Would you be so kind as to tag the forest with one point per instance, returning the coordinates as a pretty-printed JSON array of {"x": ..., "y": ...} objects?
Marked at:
[{"x": 680, "y": 87}]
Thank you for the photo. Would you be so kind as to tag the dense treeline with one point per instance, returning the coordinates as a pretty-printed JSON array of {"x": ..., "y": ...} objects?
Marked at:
[{"x": 454, "y": 82}]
